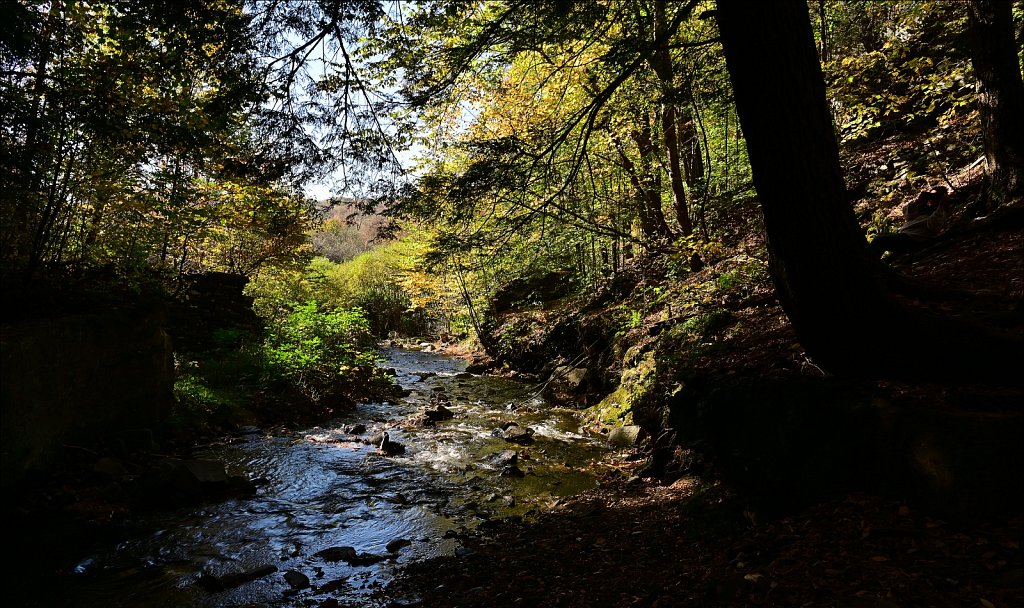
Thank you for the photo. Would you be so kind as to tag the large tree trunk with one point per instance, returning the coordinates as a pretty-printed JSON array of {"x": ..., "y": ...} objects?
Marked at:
[
  {"x": 1000, "y": 96},
  {"x": 828, "y": 285},
  {"x": 818, "y": 256}
]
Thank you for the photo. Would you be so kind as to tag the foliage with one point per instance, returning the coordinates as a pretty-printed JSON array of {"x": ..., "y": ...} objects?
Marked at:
[
  {"x": 231, "y": 227},
  {"x": 309, "y": 361},
  {"x": 217, "y": 391},
  {"x": 107, "y": 127},
  {"x": 338, "y": 241},
  {"x": 326, "y": 353},
  {"x": 372, "y": 282},
  {"x": 388, "y": 283},
  {"x": 898, "y": 66},
  {"x": 163, "y": 141},
  {"x": 533, "y": 156}
]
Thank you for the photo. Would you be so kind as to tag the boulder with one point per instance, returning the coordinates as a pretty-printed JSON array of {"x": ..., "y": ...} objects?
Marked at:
[
  {"x": 348, "y": 555},
  {"x": 438, "y": 412},
  {"x": 516, "y": 434},
  {"x": 567, "y": 383},
  {"x": 397, "y": 544},
  {"x": 174, "y": 479},
  {"x": 337, "y": 554},
  {"x": 479, "y": 366},
  {"x": 230, "y": 581},
  {"x": 624, "y": 436},
  {"x": 512, "y": 471},
  {"x": 296, "y": 580},
  {"x": 506, "y": 458}
]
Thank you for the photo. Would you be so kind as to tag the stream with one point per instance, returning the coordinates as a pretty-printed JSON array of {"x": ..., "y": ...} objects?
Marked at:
[{"x": 331, "y": 508}]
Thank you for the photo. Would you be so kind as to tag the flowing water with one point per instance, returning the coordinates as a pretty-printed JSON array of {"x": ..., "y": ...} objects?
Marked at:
[{"x": 322, "y": 488}]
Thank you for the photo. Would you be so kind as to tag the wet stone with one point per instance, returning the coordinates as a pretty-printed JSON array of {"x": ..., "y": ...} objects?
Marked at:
[
  {"x": 337, "y": 554},
  {"x": 517, "y": 434},
  {"x": 230, "y": 581},
  {"x": 506, "y": 458},
  {"x": 624, "y": 436},
  {"x": 512, "y": 471},
  {"x": 397, "y": 544},
  {"x": 296, "y": 580},
  {"x": 439, "y": 412},
  {"x": 332, "y": 586}
]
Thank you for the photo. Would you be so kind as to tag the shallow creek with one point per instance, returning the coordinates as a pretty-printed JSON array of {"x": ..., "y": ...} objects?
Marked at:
[{"x": 321, "y": 488}]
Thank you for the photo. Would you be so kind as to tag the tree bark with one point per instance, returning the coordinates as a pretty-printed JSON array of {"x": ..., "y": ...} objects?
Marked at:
[
  {"x": 827, "y": 283},
  {"x": 661, "y": 63},
  {"x": 679, "y": 203},
  {"x": 1000, "y": 96},
  {"x": 693, "y": 156},
  {"x": 646, "y": 181},
  {"x": 650, "y": 227},
  {"x": 823, "y": 52}
]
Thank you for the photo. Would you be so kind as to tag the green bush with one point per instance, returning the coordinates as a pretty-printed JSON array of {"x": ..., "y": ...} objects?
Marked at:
[
  {"x": 215, "y": 392},
  {"x": 372, "y": 282},
  {"x": 327, "y": 354}
]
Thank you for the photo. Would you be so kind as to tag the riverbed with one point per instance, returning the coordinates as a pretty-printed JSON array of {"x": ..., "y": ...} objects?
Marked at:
[{"x": 334, "y": 519}]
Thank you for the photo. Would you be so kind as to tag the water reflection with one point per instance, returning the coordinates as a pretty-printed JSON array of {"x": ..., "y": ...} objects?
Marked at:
[{"x": 327, "y": 488}]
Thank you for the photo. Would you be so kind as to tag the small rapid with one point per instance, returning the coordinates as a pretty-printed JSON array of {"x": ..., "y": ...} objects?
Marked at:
[{"x": 326, "y": 492}]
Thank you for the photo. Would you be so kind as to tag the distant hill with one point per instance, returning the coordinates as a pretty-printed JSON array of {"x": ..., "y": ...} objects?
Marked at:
[{"x": 346, "y": 230}]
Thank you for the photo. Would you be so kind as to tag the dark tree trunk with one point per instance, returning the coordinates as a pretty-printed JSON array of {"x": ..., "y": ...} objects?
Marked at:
[
  {"x": 823, "y": 51},
  {"x": 646, "y": 180},
  {"x": 829, "y": 286},
  {"x": 693, "y": 156},
  {"x": 679, "y": 204},
  {"x": 818, "y": 256},
  {"x": 650, "y": 177},
  {"x": 652, "y": 229},
  {"x": 1000, "y": 96},
  {"x": 661, "y": 64}
]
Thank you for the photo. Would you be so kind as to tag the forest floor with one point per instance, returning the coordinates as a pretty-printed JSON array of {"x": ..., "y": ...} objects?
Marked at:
[
  {"x": 689, "y": 544},
  {"x": 694, "y": 542}
]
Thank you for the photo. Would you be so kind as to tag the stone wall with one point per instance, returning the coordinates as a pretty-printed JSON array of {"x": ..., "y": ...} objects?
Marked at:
[
  {"x": 208, "y": 308},
  {"x": 80, "y": 380}
]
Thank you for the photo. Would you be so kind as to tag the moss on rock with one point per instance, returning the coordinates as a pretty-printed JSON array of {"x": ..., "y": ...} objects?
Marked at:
[{"x": 633, "y": 401}]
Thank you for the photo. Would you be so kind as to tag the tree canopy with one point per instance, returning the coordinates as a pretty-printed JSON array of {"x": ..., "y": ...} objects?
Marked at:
[{"x": 522, "y": 137}]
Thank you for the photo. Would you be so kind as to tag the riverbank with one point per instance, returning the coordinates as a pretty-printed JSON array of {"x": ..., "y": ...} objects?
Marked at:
[
  {"x": 692, "y": 543},
  {"x": 708, "y": 527},
  {"x": 298, "y": 516}
]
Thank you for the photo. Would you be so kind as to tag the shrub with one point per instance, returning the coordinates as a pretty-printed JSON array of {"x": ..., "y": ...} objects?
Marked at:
[{"x": 327, "y": 354}]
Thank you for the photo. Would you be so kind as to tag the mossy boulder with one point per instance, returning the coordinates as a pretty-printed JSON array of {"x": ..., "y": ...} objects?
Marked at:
[{"x": 635, "y": 401}]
